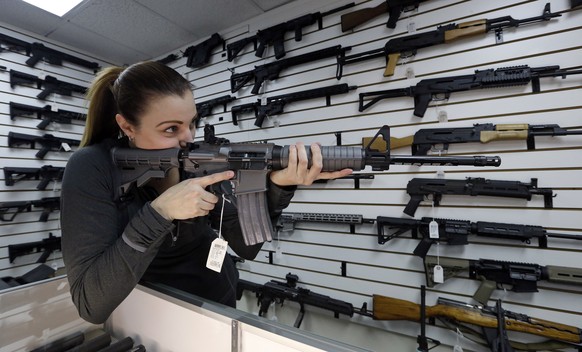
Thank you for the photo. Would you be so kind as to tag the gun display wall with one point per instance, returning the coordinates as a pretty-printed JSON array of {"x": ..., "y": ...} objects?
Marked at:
[
  {"x": 348, "y": 240},
  {"x": 42, "y": 117},
  {"x": 523, "y": 211}
]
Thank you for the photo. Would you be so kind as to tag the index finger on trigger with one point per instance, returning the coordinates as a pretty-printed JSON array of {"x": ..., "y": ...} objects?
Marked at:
[{"x": 215, "y": 178}]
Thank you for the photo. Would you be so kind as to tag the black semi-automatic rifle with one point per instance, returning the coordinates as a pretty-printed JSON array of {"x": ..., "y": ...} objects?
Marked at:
[
  {"x": 47, "y": 142},
  {"x": 204, "y": 108},
  {"x": 456, "y": 232},
  {"x": 389, "y": 308},
  {"x": 393, "y": 7},
  {"x": 39, "y": 52},
  {"x": 199, "y": 55},
  {"x": 502, "y": 275},
  {"x": 49, "y": 85},
  {"x": 278, "y": 292},
  {"x": 439, "y": 139},
  {"x": 275, "y": 35},
  {"x": 46, "y": 246},
  {"x": 275, "y": 105},
  {"x": 408, "y": 45},
  {"x": 13, "y": 44},
  {"x": 46, "y": 114},
  {"x": 45, "y": 174},
  {"x": 272, "y": 70},
  {"x": 420, "y": 188},
  {"x": 49, "y": 204},
  {"x": 252, "y": 163},
  {"x": 430, "y": 89},
  {"x": 287, "y": 220}
]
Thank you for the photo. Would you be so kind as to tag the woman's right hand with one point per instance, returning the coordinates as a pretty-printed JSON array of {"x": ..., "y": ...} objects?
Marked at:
[{"x": 189, "y": 198}]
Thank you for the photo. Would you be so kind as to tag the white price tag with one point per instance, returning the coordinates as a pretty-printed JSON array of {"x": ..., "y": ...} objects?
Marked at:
[
  {"x": 433, "y": 229},
  {"x": 438, "y": 274},
  {"x": 411, "y": 27},
  {"x": 457, "y": 348},
  {"x": 216, "y": 255},
  {"x": 66, "y": 147},
  {"x": 409, "y": 73}
]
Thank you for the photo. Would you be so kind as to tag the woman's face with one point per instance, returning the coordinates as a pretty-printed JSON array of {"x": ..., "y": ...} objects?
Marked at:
[{"x": 168, "y": 122}]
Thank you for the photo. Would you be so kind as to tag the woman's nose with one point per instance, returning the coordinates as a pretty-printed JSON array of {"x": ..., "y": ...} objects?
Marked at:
[{"x": 187, "y": 137}]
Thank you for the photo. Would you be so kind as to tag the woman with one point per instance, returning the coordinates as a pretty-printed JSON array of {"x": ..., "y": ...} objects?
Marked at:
[{"x": 160, "y": 232}]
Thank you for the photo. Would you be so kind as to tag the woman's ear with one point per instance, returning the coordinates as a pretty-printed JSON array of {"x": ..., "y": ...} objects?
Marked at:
[{"x": 125, "y": 126}]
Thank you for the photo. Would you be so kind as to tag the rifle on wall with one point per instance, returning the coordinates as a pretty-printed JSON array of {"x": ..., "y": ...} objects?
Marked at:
[
  {"x": 275, "y": 35},
  {"x": 49, "y": 85},
  {"x": 427, "y": 139},
  {"x": 393, "y": 7},
  {"x": 46, "y": 246},
  {"x": 46, "y": 114},
  {"x": 204, "y": 108},
  {"x": 49, "y": 204},
  {"x": 389, "y": 308},
  {"x": 456, "y": 232},
  {"x": 408, "y": 46},
  {"x": 278, "y": 292},
  {"x": 199, "y": 55},
  {"x": 38, "y": 51},
  {"x": 48, "y": 142},
  {"x": 252, "y": 162},
  {"x": 501, "y": 275},
  {"x": 287, "y": 220},
  {"x": 275, "y": 105},
  {"x": 420, "y": 188},
  {"x": 45, "y": 174},
  {"x": 428, "y": 90},
  {"x": 272, "y": 70}
]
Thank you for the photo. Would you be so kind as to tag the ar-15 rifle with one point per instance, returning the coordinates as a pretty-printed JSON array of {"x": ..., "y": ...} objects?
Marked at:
[
  {"x": 46, "y": 245},
  {"x": 409, "y": 45},
  {"x": 427, "y": 139},
  {"x": 14, "y": 44},
  {"x": 456, "y": 232},
  {"x": 393, "y": 7},
  {"x": 48, "y": 203},
  {"x": 46, "y": 174},
  {"x": 278, "y": 292},
  {"x": 49, "y": 85},
  {"x": 287, "y": 220},
  {"x": 427, "y": 89},
  {"x": 252, "y": 162},
  {"x": 420, "y": 188},
  {"x": 39, "y": 52},
  {"x": 496, "y": 274},
  {"x": 275, "y": 35},
  {"x": 205, "y": 108},
  {"x": 46, "y": 114},
  {"x": 389, "y": 308},
  {"x": 199, "y": 54},
  {"x": 276, "y": 104},
  {"x": 272, "y": 70},
  {"x": 48, "y": 142}
]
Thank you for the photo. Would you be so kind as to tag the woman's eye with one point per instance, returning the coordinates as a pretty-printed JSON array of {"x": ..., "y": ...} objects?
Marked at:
[{"x": 172, "y": 129}]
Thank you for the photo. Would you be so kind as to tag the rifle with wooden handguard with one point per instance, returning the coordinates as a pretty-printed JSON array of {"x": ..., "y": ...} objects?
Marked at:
[
  {"x": 427, "y": 139},
  {"x": 408, "y": 46},
  {"x": 389, "y": 308}
]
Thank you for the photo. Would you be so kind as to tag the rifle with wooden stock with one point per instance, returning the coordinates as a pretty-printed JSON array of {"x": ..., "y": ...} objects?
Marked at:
[
  {"x": 408, "y": 46},
  {"x": 389, "y": 308},
  {"x": 393, "y": 7}
]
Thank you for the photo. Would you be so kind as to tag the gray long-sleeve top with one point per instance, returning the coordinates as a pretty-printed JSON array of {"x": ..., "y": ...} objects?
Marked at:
[{"x": 108, "y": 245}]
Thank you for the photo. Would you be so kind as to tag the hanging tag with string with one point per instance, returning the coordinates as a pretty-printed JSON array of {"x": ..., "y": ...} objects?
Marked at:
[
  {"x": 218, "y": 246},
  {"x": 433, "y": 230},
  {"x": 457, "y": 347}
]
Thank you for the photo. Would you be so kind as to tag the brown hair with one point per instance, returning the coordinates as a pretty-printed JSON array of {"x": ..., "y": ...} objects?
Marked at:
[{"x": 128, "y": 91}]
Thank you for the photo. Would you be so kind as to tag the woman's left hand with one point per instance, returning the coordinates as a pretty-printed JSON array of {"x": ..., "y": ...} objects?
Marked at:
[{"x": 298, "y": 172}]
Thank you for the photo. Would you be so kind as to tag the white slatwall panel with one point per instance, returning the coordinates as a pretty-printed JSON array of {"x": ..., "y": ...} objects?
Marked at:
[
  {"x": 25, "y": 227},
  {"x": 315, "y": 252}
]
